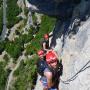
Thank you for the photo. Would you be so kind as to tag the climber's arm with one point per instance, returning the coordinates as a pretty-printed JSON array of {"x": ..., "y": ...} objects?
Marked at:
[
  {"x": 48, "y": 75},
  {"x": 44, "y": 47}
]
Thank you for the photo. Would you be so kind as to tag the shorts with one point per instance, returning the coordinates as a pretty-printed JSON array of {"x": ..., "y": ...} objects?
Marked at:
[
  {"x": 45, "y": 84},
  {"x": 53, "y": 88}
]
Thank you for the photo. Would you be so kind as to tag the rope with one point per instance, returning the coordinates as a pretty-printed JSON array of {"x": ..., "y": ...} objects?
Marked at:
[{"x": 74, "y": 76}]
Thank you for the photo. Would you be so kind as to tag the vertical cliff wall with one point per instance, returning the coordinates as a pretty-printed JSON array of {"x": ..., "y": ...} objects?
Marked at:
[
  {"x": 74, "y": 48},
  {"x": 76, "y": 60}
]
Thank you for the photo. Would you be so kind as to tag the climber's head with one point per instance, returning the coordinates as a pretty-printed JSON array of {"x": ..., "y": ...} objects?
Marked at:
[
  {"x": 51, "y": 58},
  {"x": 40, "y": 53},
  {"x": 46, "y": 36}
]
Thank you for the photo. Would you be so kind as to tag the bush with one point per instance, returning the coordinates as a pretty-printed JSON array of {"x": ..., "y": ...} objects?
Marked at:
[
  {"x": 26, "y": 75},
  {"x": 27, "y": 38},
  {"x": 23, "y": 39},
  {"x": 1, "y": 20},
  {"x": 14, "y": 49},
  {"x": 6, "y": 57},
  {"x": 46, "y": 27},
  {"x": 17, "y": 32},
  {"x": 1, "y": 1},
  {"x": 12, "y": 11},
  {"x": 30, "y": 50},
  {"x": 3, "y": 76},
  {"x": 2, "y": 46}
]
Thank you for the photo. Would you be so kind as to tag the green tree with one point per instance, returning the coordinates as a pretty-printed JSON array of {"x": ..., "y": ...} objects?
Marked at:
[
  {"x": 2, "y": 46},
  {"x": 26, "y": 75},
  {"x": 12, "y": 11},
  {"x": 13, "y": 49},
  {"x": 1, "y": 20},
  {"x": 1, "y": 1},
  {"x": 3, "y": 76},
  {"x": 26, "y": 38}
]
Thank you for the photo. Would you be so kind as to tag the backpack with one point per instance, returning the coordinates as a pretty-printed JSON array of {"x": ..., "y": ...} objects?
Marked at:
[{"x": 41, "y": 65}]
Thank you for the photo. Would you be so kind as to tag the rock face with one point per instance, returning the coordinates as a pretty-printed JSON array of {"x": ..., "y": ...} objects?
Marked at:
[
  {"x": 73, "y": 46},
  {"x": 54, "y": 8},
  {"x": 21, "y": 4},
  {"x": 75, "y": 56}
]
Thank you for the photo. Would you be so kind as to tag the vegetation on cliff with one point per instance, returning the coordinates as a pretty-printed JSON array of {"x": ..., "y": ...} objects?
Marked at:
[
  {"x": 12, "y": 12},
  {"x": 26, "y": 74},
  {"x": 1, "y": 20},
  {"x": 3, "y": 75}
]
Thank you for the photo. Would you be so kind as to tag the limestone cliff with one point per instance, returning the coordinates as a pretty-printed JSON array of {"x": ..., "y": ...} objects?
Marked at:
[{"x": 76, "y": 60}]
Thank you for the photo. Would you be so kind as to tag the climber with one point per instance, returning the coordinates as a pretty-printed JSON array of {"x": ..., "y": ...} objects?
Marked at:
[
  {"x": 41, "y": 54},
  {"x": 50, "y": 70},
  {"x": 45, "y": 42}
]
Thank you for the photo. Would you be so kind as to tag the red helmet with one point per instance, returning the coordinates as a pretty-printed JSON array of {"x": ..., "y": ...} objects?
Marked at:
[
  {"x": 40, "y": 53},
  {"x": 51, "y": 57},
  {"x": 46, "y": 36}
]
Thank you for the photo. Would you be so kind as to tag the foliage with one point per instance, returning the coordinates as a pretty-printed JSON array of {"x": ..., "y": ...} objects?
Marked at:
[
  {"x": 1, "y": 1},
  {"x": 6, "y": 57},
  {"x": 3, "y": 76},
  {"x": 34, "y": 17},
  {"x": 17, "y": 32},
  {"x": 26, "y": 75},
  {"x": 30, "y": 49},
  {"x": 1, "y": 20},
  {"x": 46, "y": 27},
  {"x": 12, "y": 11},
  {"x": 14, "y": 49},
  {"x": 26, "y": 38},
  {"x": 26, "y": 11},
  {"x": 23, "y": 39},
  {"x": 2, "y": 46}
]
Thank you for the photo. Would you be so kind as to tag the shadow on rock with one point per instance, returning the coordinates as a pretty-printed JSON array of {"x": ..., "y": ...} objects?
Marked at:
[{"x": 70, "y": 26}]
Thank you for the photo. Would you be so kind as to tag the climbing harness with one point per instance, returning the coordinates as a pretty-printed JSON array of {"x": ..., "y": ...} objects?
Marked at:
[{"x": 74, "y": 76}]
